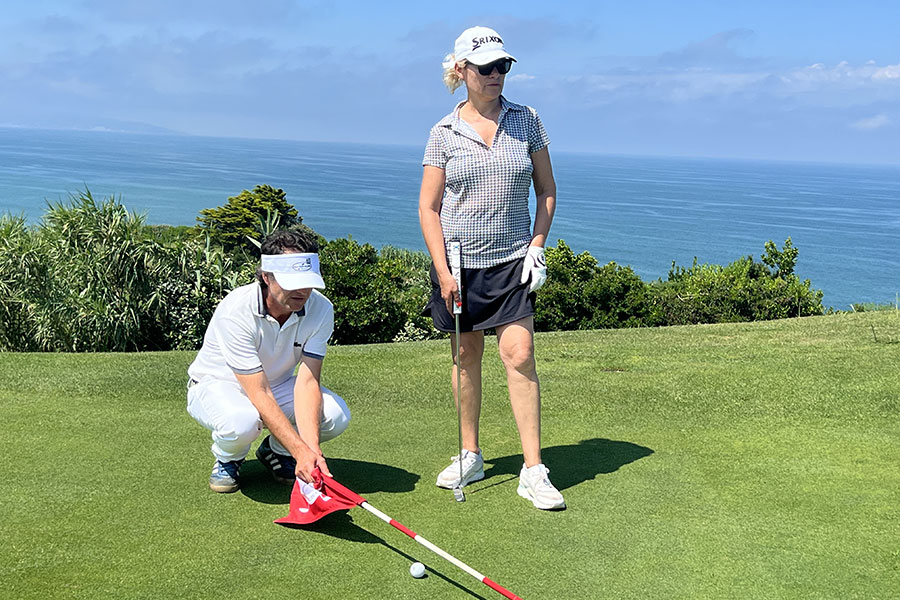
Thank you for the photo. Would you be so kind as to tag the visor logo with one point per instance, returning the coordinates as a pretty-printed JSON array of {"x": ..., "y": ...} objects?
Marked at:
[{"x": 304, "y": 264}]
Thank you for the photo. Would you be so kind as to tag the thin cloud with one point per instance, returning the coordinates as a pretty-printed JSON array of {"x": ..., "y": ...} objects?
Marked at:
[
  {"x": 844, "y": 73},
  {"x": 238, "y": 13},
  {"x": 843, "y": 84},
  {"x": 888, "y": 72},
  {"x": 716, "y": 50},
  {"x": 871, "y": 123}
]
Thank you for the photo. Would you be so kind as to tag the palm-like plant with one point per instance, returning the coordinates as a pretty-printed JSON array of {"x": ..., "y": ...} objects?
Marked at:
[
  {"x": 100, "y": 273},
  {"x": 22, "y": 272}
]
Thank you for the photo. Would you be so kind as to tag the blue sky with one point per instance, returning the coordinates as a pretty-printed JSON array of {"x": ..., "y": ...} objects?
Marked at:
[{"x": 798, "y": 80}]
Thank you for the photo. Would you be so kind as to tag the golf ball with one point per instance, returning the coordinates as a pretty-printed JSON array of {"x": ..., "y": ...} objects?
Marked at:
[{"x": 417, "y": 570}]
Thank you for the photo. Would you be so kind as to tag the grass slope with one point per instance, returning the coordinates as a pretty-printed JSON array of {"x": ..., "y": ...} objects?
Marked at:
[{"x": 727, "y": 461}]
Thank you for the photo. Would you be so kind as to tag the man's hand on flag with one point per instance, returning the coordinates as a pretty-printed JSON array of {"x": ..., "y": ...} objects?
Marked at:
[{"x": 308, "y": 464}]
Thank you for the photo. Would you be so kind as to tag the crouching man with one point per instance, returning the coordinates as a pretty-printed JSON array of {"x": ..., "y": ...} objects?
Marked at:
[{"x": 243, "y": 377}]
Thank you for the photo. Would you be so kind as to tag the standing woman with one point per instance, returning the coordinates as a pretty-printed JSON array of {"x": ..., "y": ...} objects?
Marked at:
[{"x": 479, "y": 165}]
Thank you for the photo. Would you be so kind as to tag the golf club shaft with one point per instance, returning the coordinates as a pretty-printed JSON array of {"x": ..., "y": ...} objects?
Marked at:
[
  {"x": 445, "y": 555},
  {"x": 459, "y": 403},
  {"x": 456, "y": 271}
]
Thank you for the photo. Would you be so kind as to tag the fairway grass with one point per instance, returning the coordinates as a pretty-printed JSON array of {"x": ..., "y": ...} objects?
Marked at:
[{"x": 756, "y": 460}]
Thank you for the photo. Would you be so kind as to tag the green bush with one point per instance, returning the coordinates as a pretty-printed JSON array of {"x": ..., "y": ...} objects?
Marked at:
[
  {"x": 172, "y": 234},
  {"x": 199, "y": 277},
  {"x": 367, "y": 293},
  {"x": 22, "y": 277},
  {"x": 93, "y": 280},
  {"x": 247, "y": 216},
  {"x": 741, "y": 291},
  {"x": 416, "y": 284},
  {"x": 780, "y": 262},
  {"x": 94, "y": 277},
  {"x": 579, "y": 294}
]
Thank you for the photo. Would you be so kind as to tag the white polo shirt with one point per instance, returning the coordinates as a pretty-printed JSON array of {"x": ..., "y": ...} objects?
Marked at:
[{"x": 243, "y": 338}]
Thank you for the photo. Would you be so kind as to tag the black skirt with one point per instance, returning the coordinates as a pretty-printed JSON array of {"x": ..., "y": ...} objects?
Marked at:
[{"x": 490, "y": 297}]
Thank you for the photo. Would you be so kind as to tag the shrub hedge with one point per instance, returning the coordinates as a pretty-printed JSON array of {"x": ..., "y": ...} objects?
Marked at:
[{"x": 94, "y": 277}]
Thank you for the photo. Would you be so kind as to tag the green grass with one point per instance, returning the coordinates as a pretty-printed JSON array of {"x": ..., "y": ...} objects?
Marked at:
[{"x": 728, "y": 461}]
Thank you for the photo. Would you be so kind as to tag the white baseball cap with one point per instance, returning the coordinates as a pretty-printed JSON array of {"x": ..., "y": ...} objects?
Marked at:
[
  {"x": 480, "y": 46},
  {"x": 294, "y": 271}
]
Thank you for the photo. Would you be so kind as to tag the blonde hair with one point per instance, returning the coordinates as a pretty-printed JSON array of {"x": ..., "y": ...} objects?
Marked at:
[{"x": 451, "y": 78}]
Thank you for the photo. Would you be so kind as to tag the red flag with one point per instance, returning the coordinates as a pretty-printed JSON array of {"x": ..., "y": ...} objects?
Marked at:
[
  {"x": 336, "y": 490},
  {"x": 308, "y": 504}
]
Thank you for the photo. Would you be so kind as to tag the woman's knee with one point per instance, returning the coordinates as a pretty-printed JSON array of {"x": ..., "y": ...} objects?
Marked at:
[
  {"x": 518, "y": 356},
  {"x": 471, "y": 349}
]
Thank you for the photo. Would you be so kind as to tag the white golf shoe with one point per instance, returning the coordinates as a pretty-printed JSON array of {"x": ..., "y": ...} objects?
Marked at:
[
  {"x": 534, "y": 485},
  {"x": 472, "y": 470}
]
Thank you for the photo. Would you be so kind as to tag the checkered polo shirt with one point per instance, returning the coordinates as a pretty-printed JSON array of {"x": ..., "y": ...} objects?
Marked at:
[{"x": 485, "y": 203}]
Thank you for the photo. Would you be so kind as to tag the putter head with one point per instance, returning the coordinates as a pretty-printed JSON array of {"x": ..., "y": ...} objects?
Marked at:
[{"x": 458, "y": 494}]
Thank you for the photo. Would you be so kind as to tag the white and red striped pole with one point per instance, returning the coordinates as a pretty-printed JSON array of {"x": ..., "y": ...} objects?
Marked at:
[
  {"x": 338, "y": 491},
  {"x": 446, "y": 556}
]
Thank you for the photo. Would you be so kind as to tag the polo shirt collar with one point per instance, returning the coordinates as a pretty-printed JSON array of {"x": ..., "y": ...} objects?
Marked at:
[
  {"x": 452, "y": 120},
  {"x": 506, "y": 105},
  {"x": 259, "y": 309}
]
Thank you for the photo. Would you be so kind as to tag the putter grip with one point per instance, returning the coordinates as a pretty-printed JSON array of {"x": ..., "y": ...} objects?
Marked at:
[{"x": 455, "y": 270}]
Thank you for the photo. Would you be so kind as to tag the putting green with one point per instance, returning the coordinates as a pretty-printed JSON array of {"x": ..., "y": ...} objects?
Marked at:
[{"x": 727, "y": 461}]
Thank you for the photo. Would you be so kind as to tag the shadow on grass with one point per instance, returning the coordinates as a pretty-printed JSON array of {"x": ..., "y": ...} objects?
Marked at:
[
  {"x": 360, "y": 476},
  {"x": 341, "y": 525},
  {"x": 573, "y": 463}
]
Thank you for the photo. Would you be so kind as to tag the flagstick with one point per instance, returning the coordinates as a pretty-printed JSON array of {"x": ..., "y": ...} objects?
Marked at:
[
  {"x": 449, "y": 557},
  {"x": 309, "y": 503}
]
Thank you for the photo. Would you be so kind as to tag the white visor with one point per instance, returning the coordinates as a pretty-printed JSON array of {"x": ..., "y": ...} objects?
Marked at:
[{"x": 294, "y": 271}]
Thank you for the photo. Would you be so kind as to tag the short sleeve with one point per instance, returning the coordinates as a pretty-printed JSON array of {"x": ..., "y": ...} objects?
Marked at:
[
  {"x": 435, "y": 155},
  {"x": 537, "y": 135},
  {"x": 237, "y": 341},
  {"x": 317, "y": 344}
]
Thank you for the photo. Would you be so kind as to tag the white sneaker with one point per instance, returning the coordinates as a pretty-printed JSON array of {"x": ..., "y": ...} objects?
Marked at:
[
  {"x": 472, "y": 470},
  {"x": 534, "y": 485}
]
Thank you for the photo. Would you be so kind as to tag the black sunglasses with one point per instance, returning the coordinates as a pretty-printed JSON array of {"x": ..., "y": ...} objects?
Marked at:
[{"x": 503, "y": 66}]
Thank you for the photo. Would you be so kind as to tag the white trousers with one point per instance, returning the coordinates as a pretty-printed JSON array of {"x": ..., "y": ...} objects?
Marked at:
[{"x": 223, "y": 408}]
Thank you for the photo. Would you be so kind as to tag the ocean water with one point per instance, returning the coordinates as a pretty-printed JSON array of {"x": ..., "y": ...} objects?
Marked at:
[{"x": 640, "y": 211}]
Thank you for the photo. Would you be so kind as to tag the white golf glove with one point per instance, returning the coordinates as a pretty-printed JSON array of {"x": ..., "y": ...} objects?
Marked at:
[{"x": 535, "y": 268}]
